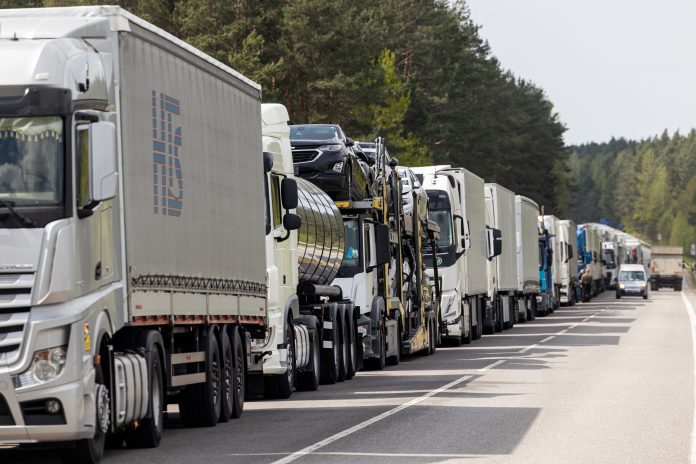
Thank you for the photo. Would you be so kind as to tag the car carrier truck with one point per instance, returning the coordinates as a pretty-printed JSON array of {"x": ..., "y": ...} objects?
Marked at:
[
  {"x": 457, "y": 204},
  {"x": 383, "y": 269},
  {"x": 131, "y": 264},
  {"x": 528, "y": 283}
]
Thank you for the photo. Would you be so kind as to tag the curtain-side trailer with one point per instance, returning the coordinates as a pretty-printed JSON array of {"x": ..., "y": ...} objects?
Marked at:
[
  {"x": 138, "y": 268},
  {"x": 528, "y": 284}
]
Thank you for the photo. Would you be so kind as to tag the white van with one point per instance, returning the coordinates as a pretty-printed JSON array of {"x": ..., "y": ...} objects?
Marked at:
[{"x": 632, "y": 280}]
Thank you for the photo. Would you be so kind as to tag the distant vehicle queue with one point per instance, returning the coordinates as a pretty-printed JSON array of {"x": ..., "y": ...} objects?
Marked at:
[{"x": 188, "y": 246}]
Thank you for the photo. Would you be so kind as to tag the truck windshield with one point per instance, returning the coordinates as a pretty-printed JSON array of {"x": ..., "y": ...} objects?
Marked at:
[
  {"x": 31, "y": 160},
  {"x": 315, "y": 132},
  {"x": 628, "y": 276},
  {"x": 609, "y": 259},
  {"x": 352, "y": 255},
  {"x": 440, "y": 212}
]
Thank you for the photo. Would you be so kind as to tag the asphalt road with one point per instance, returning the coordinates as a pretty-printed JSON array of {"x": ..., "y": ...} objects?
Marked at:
[{"x": 610, "y": 381}]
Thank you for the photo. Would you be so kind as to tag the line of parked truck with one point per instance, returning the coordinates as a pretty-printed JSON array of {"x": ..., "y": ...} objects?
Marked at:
[{"x": 169, "y": 239}]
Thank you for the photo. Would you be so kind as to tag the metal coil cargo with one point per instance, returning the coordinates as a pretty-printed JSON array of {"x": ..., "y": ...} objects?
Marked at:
[{"x": 320, "y": 240}]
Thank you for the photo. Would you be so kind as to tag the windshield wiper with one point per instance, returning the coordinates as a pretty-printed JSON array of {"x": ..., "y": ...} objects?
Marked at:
[{"x": 24, "y": 220}]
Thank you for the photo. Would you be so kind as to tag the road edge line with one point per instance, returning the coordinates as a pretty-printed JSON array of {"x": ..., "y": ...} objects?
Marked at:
[{"x": 692, "y": 320}]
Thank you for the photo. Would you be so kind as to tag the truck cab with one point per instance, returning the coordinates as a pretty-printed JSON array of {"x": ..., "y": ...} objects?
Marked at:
[{"x": 445, "y": 193}]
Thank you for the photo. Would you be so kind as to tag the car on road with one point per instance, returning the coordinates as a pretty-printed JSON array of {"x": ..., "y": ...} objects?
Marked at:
[
  {"x": 324, "y": 155},
  {"x": 632, "y": 281}
]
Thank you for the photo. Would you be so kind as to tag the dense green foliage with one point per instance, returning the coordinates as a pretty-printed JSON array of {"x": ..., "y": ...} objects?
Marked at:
[
  {"x": 649, "y": 186},
  {"x": 414, "y": 71}
]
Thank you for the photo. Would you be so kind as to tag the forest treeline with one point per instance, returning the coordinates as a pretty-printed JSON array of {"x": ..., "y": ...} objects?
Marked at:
[
  {"x": 414, "y": 71},
  {"x": 648, "y": 186}
]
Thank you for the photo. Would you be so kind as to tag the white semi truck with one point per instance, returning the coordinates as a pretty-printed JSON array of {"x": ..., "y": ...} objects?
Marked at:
[
  {"x": 130, "y": 276},
  {"x": 527, "y": 238},
  {"x": 457, "y": 204},
  {"x": 312, "y": 325},
  {"x": 502, "y": 269},
  {"x": 567, "y": 232}
]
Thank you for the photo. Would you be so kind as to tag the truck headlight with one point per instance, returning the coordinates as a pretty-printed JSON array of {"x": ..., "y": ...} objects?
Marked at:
[
  {"x": 642, "y": 285},
  {"x": 622, "y": 286},
  {"x": 47, "y": 365},
  {"x": 331, "y": 147},
  {"x": 338, "y": 167}
]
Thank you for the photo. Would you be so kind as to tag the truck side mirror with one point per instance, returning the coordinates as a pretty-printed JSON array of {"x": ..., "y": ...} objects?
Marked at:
[
  {"x": 349, "y": 142},
  {"x": 267, "y": 162},
  {"x": 495, "y": 242},
  {"x": 103, "y": 178},
  {"x": 463, "y": 232},
  {"x": 288, "y": 192},
  {"x": 291, "y": 221},
  {"x": 382, "y": 244}
]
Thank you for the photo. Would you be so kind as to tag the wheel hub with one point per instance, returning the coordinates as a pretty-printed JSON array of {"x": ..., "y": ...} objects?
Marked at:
[{"x": 103, "y": 409}]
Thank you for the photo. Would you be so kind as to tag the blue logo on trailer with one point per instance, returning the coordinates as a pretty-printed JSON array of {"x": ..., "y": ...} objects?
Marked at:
[{"x": 168, "y": 181}]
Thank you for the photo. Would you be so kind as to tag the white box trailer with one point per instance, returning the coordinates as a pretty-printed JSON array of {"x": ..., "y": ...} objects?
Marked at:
[
  {"x": 502, "y": 270},
  {"x": 567, "y": 231},
  {"x": 527, "y": 236},
  {"x": 148, "y": 269},
  {"x": 457, "y": 204},
  {"x": 551, "y": 224},
  {"x": 527, "y": 212}
]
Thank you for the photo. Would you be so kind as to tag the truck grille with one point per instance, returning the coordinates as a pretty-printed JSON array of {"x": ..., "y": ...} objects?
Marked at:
[
  {"x": 304, "y": 156},
  {"x": 15, "y": 304}
]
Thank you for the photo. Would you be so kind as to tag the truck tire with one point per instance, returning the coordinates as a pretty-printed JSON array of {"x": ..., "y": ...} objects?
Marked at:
[
  {"x": 309, "y": 380},
  {"x": 239, "y": 370},
  {"x": 227, "y": 379},
  {"x": 149, "y": 432},
  {"x": 394, "y": 360},
  {"x": 433, "y": 337},
  {"x": 90, "y": 450},
  {"x": 200, "y": 405},
  {"x": 645, "y": 295},
  {"x": 343, "y": 336},
  {"x": 378, "y": 364},
  {"x": 532, "y": 308},
  {"x": 331, "y": 357},
  {"x": 478, "y": 329},
  {"x": 678, "y": 287},
  {"x": 469, "y": 336},
  {"x": 351, "y": 357},
  {"x": 499, "y": 315},
  {"x": 281, "y": 386}
]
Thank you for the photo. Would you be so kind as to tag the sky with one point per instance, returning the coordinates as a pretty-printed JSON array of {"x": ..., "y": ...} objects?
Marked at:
[{"x": 621, "y": 68}]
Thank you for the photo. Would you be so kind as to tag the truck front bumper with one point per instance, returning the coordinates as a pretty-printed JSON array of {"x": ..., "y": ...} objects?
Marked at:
[{"x": 20, "y": 409}]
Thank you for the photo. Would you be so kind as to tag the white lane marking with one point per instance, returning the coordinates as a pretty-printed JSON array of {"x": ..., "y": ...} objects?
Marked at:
[
  {"x": 327, "y": 441},
  {"x": 491, "y": 366},
  {"x": 573, "y": 326},
  {"x": 692, "y": 320},
  {"x": 551, "y": 337},
  {"x": 347, "y": 453},
  {"x": 530, "y": 347},
  {"x": 562, "y": 332}
]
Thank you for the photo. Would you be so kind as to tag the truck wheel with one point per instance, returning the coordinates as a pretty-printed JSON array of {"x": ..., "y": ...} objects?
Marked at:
[
  {"x": 343, "y": 337},
  {"x": 281, "y": 386},
  {"x": 90, "y": 450},
  {"x": 433, "y": 337},
  {"x": 149, "y": 432},
  {"x": 200, "y": 405},
  {"x": 466, "y": 338},
  {"x": 378, "y": 364},
  {"x": 351, "y": 349},
  {"x": 309, "y": 380},
  {"x": 227, "y": 376},
  {"x": 239, "y": 378},
  {"x": 478, "y": 330},
  {"x": 331, "y": 357},
  {"x": 394, "y": 360},
  {"x": 499, "y": 315},
  {"x": 618, "y": 295}
]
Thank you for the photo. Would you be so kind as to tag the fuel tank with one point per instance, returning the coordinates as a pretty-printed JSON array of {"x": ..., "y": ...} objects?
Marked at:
[{"x": 321, "y": 235}]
